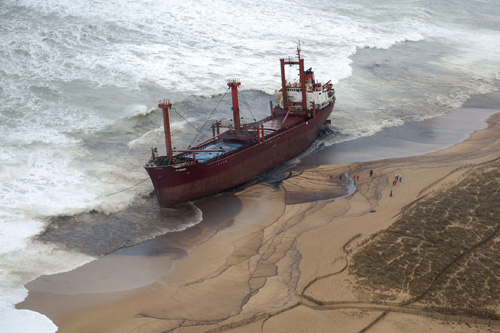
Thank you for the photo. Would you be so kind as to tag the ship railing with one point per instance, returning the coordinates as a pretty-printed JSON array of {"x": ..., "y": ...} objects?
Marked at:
[
  {"x": 251, "y": 125},
  {"x": 209, "y": 141},
  {"x": 258, "y": 123}
]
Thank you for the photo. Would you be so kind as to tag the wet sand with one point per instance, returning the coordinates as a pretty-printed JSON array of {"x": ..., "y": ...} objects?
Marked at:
[{"x": 269, "y": 258}]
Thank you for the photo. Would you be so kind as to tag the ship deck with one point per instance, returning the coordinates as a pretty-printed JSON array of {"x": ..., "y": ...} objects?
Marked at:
[
  {"x": 227, "y": 147},
  {"x": 274, "y": 125},
  {"x": 223, "y": 147}
]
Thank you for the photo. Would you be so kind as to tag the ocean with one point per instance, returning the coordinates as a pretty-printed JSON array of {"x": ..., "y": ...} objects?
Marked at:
[{"x": 80, "y": 83}]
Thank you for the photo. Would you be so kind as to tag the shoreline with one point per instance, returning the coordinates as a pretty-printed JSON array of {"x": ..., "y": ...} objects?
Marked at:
[
  {"x": 267, "y": 248},
  {"x": 412, "y": 138}
]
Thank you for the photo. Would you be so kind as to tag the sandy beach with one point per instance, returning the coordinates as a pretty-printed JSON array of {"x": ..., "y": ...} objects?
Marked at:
[{"x": 279, "y": 258}]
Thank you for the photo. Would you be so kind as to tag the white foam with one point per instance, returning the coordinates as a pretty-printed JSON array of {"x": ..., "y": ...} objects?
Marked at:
[
  {"x": 15, "y": 232},
  {"x": 134, "y": 110},
  {"x": 47, "y": 184},
  {"x": 478, "y": 55},
  {"x": 216, "y": 43},
  {"x": 148, "y": 139},
  {"x": 26, "y": 321},
  {"x": 21, "y": 265}
]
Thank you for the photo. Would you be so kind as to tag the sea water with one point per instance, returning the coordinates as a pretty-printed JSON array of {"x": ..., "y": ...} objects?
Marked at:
[{"x": 80, "y": 81}]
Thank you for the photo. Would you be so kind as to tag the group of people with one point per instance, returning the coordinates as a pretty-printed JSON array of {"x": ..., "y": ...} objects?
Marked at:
[
  {"x": 356, "y": 177},
  {"x": 396, "y": 179}
]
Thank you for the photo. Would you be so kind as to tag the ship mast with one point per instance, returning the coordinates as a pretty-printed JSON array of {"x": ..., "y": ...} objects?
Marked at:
[
  {"x": 165, "y": 105},
  {"x": 234, "y": 83},
  {"x": 290, "y": 62}
]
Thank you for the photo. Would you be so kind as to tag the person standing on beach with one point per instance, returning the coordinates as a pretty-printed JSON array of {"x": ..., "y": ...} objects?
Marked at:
[
  {"x": 391, "y": 194},
  {"x": 371, "y": 173}
]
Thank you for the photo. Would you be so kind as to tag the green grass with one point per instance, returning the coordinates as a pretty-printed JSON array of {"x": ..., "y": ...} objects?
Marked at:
[{"x": 451, "y": 239}]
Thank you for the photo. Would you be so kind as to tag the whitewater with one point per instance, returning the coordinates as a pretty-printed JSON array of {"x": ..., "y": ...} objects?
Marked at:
[{"x": 80, "y": 82}]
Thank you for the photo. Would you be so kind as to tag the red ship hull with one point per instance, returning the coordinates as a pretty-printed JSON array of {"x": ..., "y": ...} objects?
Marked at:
[{"x": 174, "y": 185}]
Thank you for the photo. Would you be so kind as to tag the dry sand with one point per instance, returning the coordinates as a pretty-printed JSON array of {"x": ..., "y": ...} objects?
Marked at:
[{"x": 279, "y": 265}]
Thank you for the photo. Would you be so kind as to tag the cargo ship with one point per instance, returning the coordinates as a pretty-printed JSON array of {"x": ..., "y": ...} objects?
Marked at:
[{"x": 239, "y": 152}]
